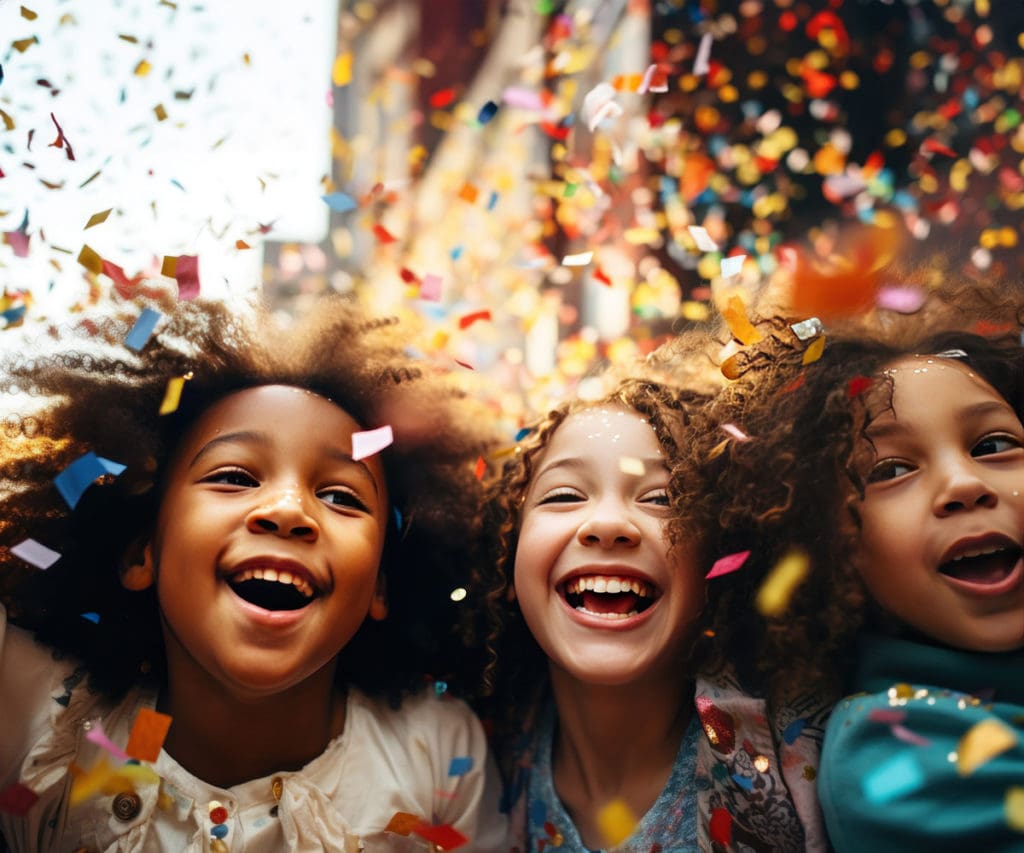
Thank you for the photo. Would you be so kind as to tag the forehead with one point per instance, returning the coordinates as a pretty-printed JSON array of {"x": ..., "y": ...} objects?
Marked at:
[
  {"x": 598, "y": 430},
  {"x": 274, "y": 408}
]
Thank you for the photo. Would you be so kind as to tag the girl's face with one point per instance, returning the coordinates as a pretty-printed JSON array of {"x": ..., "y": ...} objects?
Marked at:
[
  {"x": 943, "y": 513},
  {"x": 268, "y": 541},
  {"x": 593, "y": 575}
]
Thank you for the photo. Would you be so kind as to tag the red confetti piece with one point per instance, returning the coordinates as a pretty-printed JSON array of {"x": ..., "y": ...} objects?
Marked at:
[
  {"x": 858, "y": 385},
  {"x": 383, "y": 235},
  {"x": 464, "y": 364},
  {"x": 600, "y": 275},
  {"x": 445, "y": 836},
  {"x": 721, "y": 827},
  {"x": 61, "y": 141},
  {"x": 468, "y": 320},
  {"x": 442, "y": 98},
  {"x": 408, "y": 276},
  {"x": 887, "y": 716},
  {"x": 186, "y": 273},
  {"x": 17, "y": 799},
  {"x": 124, "y": 286},
  {"x": 481, "y": 468},
  {"x": 935, "y": 147},
  {"x": 727, "y": 564}
]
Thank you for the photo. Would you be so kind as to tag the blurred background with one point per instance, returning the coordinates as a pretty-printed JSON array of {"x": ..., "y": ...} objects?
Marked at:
[{"x": 538, "y": 188}]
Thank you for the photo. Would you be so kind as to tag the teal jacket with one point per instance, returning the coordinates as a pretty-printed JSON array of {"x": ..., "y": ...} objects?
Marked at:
[{"x": 892, "y": 773}]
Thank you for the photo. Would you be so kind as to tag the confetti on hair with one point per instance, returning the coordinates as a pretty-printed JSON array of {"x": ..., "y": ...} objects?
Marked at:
[
  {"x": 98, "y": 218},
  {"x": 186, "y": 273},
  {"x": 858, "y": 385},
  {"x": 148, "y": 734},
  {"x": 467, "y": 320},
  {"x": 17, "y": 799},
  {"x": 735, "y": 316},
  {"x": 96, "y": 735},
  {"x": 172, "y": 395},
  {"x": 903, "y": 300},
  {"x": 797, "y": 382},
  {"x": 445, "y": 836},
  {"x": 728, "y": 564},
  {"x": 782, "y": 581},
  {"x": 814, "y": 350},
  {"x": 894, "y": 778},
  {"x": 82, "y": 473},
  {"x": 370, "y": 442},
  {"x": 481, "y": 468},
  {"x": 983, "y": 742},
  {"x": 460, "y": 765},
  {"x": 807, "y": 329},
  {"x": 616, "y": 822},
  {"x": 35, "y": 553},
  {"x": 735, "y": 432},
  {"x": 142, "y": 330},
  {"x": 1013, "y": 808}
]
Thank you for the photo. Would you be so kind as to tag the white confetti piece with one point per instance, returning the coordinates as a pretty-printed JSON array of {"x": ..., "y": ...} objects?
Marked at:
[
  {"x": 35, "y": 553},
  {"x": 371, "y": 441}
]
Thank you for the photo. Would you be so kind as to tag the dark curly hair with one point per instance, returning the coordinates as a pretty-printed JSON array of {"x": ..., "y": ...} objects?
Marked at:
[
  {"x": 516, "y": 675},
  {"x": 91, "y": 393},
  {"x": 791, "y": 478}
]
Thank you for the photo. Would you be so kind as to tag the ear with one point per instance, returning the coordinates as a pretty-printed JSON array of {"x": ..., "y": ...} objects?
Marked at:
[
  {"x": 379, "y": 603},
  {"x": 136, "y": 570}
]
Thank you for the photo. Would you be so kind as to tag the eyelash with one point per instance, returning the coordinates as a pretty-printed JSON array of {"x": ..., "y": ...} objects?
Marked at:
[
  {"x": 567, "y": 495},
  {"x": 241, "y": 478},
  {"x": 879, "y": 472}
]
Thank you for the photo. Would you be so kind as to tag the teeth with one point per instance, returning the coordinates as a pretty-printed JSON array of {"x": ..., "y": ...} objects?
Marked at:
[
  {"x": 608, "y": 584},
  {"x": 609, "y": 616},
  {"x": 980, "y": 552},
  {"x": 275, "y": 576}
]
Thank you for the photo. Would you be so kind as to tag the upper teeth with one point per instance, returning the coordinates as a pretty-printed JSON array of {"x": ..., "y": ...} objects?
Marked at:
[
  {"x": 980, "y": 552},
  {"x": 275, "y": 576},
  {"x": 605, "y": 583}
]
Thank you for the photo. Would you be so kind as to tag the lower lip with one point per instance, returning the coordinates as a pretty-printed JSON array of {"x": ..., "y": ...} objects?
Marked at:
[
  {"x": 991, "y": 590},
  {"x": 269, "y": 618},
  {"x": 605, "y": 624}
]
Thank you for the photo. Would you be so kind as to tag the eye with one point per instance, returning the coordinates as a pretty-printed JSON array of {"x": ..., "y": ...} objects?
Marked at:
[
  {"x": 991, "y": 444},
  {"x": 561, "y": 495},
  {"x": 342, "y": 498},
  {"x": 655, "y": 496},
  {"x": 889, "y": 469},
  {"x": 231, "y": 477}
]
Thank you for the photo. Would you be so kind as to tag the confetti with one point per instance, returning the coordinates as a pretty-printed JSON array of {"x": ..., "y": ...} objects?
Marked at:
[
  {"x": 17, "y": 799},
  {"x": 616, "y": 822},
  {"x": 720, "y": 828},
  {"x": 982, "y": 743},
  {"x": 462, "y": 764},
  {"x": 814, "y": 350},
  {"x": 481, "y": 468},
  {"x": 61, "y": 141},
  {"x": 858, "y": 385},
  {"x": 580, "y": 259},
  {"x": 445, "y": 836},
  {"x": 1013, "y": 807},
  {"x": 96, "y": 735},
  {"x": 402, "y": 823},
  {"x": 341, "y": 71},
  {"x": 727, "y": 564},
  {"x": 383, "y": 235},
  {"x": 186, "y": 273},
  {"x": 340, "y": 202},
  {"x": 371, "y": 442},
  {"x": 907, "y": 736},
  {"x": 782, "y": 581},
  {"x": 487, "y": 112},
  {"x": 892, "y": 779},
  {"x": 35, "y": 553},
  {"x": 793, "y": 731},
  {"x": 903, "y": 300},
  {"x": 735, "y": 315},
  {"x": 468, "y": 320},
  {"x": 700, "y": 61},
  {"x": 430, "y": 287},
  {"x": 172, "y": 395},
  {"x": 142, "y": 331},
  {"x": 89, "y": 259},
  {"x": 148, "y": 734},
  {"x": 732, "y": 265},
  {"x": 98, "y": 218},
  {"x": 82, "y": 473},
  {"x": 632, "y": 466}
]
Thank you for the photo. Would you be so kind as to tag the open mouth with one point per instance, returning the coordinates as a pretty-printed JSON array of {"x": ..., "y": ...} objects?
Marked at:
[
  {"x": 272, "y": 589},
  {"x": 609, "y": 596},
  {"x": 984, "y": 567}
]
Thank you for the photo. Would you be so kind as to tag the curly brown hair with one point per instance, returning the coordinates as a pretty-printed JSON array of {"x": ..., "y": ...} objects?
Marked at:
[
  {"x": 792, "y": 476},
  {"x": 91, "y": 393},
  {"x": 517, "y": 672}
]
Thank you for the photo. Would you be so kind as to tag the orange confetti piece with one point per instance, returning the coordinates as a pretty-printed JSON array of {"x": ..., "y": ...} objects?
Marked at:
[
  {"x": 403, "y": 823},
  {"x": 616, "y": 822},
  {"x": 169, "y": 265},
  {"x": 468, "y": 320},
  {"x": 481, "y": 468},
  {"x": 28, "y": 14},
  {"x": 241, "y": 244},
  {"x": 7, "y": 120},
  {"x": 383, "y": 235},
  {"x": 735, "y": 315},
  {"x": 469, "y": 193},
  {"x": 98, "y": 218},
  {"x": 21, "y": 45},
  {"x": 602, "y": 277},
  {"x": 147, "y": 736}
]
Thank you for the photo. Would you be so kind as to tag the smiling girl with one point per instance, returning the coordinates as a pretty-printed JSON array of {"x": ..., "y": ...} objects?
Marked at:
[
  {"x": 254, "y": 574},
  {"x": 899, "y": 470},
  {"x": 631, "y": 743}
]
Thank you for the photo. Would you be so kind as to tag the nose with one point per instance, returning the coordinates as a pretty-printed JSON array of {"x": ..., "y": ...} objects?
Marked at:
[
  {"x": 608, "y": 526},
  {"x": 283, "y": 514},
  {"x": 963, "y": 488}
]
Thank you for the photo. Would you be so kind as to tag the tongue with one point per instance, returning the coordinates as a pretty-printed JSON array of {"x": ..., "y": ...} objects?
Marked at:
[
  {"x": 989, "y": 569},
  {"x": 610, "y": 602}
]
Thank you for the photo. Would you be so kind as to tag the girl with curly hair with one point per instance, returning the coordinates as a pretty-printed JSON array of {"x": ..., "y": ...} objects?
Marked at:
[
  {"x": 892, "y": 469},
  {"x": 265, "y": 574},
  {"x": 629, "y": 742}
]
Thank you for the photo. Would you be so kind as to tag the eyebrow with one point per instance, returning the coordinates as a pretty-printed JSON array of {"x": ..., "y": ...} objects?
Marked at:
[
  {"x": 894, "y": 427},
  {"x": 261, "y": 439},
  {"x": 577, "y": 462}
]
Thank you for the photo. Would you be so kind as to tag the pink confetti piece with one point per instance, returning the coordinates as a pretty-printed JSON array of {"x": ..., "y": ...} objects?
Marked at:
[
  {"x": 372, "y": 441},
  {"x": 735, "y": 432},
  {"x": 645, "y": 84},
  {"x": 886, "y": 716},
  {"x": 187, "y": 275},
  {"x": 96, "y": 735},
  {"x": 903, "y": 300},
  {"x": 430, "y": 289},
  {"x": 701, "y": 65},
  {"x": 907, "y": 736},
  {"x": 727, "y": 564},
  {"x": 524, "y": 99}
]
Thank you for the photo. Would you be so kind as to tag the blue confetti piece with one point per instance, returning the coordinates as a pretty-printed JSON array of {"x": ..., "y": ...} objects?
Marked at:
[
  {"x": 177, "y": 183},
  {"x": 460, "y": 765},
  {"x": 142, "y": 331},
  {"x": 92, "y": 617},
  {"x": 456, "y": 253},
  {"x": 744, "y": 782},
  {"x": 525, "y": 431},
  {"x": 13, "y": 315},
  {"x": 892, "y": 779},
  {"x": 792, "y": 731},
  {"x": 487, "y": 112},
  {"x": 492, "y": 201},
  {"x": 340, "y": 202},
  {"x": 82, "y": 473},
  {"x": 538, "y": 812},
  {"x": 398, "y": 517},
  {"x": 440, "y": 687}
]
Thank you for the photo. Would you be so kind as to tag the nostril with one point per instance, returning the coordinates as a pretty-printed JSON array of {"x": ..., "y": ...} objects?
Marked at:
[
  {"x": 266, "y": 524},
  {"x": 301, "y": 531}
]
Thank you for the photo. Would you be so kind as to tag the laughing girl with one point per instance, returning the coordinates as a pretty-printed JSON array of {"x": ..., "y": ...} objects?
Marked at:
[{"x": 267, "y": 574}]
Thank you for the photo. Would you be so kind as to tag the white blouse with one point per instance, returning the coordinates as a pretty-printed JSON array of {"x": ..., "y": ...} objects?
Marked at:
[{"x": 385, "y": 761}]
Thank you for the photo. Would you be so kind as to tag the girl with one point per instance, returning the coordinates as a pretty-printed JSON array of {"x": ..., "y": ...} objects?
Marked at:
[
  {"x": 898, "y": 471},
  {"x": 634, "y": 744},
  {"x": 257, "y": 574}
]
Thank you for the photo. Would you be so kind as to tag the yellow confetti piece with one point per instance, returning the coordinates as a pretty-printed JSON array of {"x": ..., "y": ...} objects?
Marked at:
[
  {"x": 814, "y": 351},
  {"x": 101, "y": 778},
  {"x": 735, "y": 315},
  {"x": 172, "y": 396},
  {"x": 782, "y": 581},
  {"x": 1013, "y": 806},
  {"x": 631, "y": 465},
  {"x": 143, "y": 68},
  {"x": 341, "y": 72},
  {"x": 8, "y": 121},
  {"x": 90, "y": 260},
  {"x": 616, "y": 822},
  {"x": 982, "y": 743},
  {"x": 169, "y": 266},
  {"x": 98, "y": 218}
]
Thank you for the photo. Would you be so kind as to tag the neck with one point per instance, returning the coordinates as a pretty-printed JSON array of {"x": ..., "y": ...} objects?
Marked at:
[
  {"x": 615, "y": 743},
  {"x": 226, "y": 739}
]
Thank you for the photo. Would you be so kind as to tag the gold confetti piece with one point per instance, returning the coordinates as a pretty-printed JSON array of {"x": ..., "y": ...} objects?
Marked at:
[
  {"x": 169, "y": 266},
  {"x": 814, "y": 351},
  {"x": 143, "y": 68},
  {"x": 98, "y": 218},
  {"x": 90, "y": 260},
  {"x": 21, "y": 45},
  {"x": 28, "y": 14},
  {"x": 1013, "y": 806},
  {"x": 341, "y": 72},
  {"x": 129, "y": 39},
  {"x": 160, "y": 112},
  {"x": 172, "y": 396},
  {"x": 147, "y": 735},
  {"x": 8, "y": 121},
  {"x": 631, "y": 465},
  {"x": 616, "y": 822},
  {"x": 982, "y": 743},
  {"x": 782, "y": 581},
  {"x": 735, "y": 315}
]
